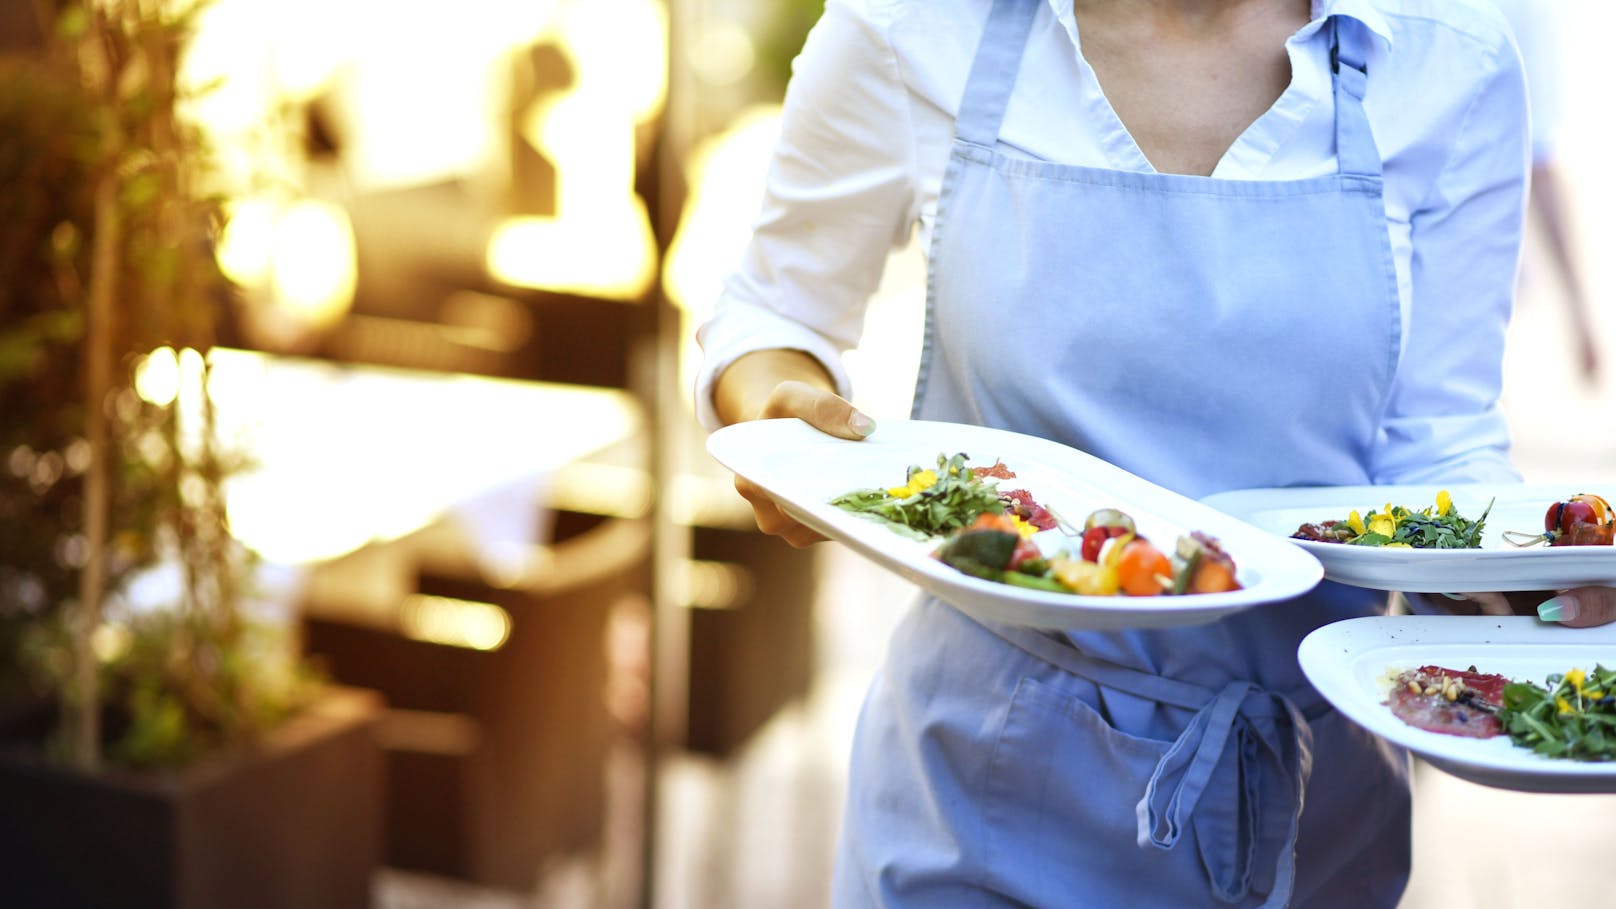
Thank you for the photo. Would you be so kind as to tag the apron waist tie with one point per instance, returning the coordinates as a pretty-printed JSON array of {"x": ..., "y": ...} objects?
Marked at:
[{"x": 1194, "y": 761}]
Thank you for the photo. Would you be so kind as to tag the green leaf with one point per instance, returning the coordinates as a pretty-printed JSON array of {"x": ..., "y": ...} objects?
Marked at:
[
  {"x": 977, "y": 549},
  {"x": 955, "y": 501}
]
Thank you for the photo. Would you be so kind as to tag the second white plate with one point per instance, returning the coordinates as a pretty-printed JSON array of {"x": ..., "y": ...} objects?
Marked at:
[
  {"x": 803, "y": 469},
  {"x": 1497, "y": 566},
  {"x": 1348, "y": 663}
]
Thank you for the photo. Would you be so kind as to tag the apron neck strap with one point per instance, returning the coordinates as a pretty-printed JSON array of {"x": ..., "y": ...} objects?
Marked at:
[
  {"x": 993, "y": 72},
  {"x": 1355, "y": 148}
]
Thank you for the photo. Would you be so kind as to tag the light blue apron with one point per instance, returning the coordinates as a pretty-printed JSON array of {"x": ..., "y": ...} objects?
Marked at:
[{"x": 1206, "y": 334}]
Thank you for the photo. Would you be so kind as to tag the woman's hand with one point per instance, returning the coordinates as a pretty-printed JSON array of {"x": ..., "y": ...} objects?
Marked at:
[
  {"x": 784, "y": 383},
  {"x": 822, "y": 410},
  {"x": 1580, "y": 608},
  {"x": 1583, "y": 607}
]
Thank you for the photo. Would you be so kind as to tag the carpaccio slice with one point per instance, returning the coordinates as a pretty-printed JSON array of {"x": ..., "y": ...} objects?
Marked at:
[
  {"x": 1449, "y": 701},
  {"x": 1018, "y": 502}
]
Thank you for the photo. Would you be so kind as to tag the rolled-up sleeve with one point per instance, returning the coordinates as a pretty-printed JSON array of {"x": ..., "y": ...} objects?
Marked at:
[
  {"x": 839, "y": 196},
  {"x": 1443, "y": 421}
]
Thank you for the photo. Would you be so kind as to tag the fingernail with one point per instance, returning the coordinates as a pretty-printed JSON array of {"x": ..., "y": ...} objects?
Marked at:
[
  {"x": 1557, "y": 609},
  {"x": 1455, "y": 596},
  {"x": 860, "y": 424}
]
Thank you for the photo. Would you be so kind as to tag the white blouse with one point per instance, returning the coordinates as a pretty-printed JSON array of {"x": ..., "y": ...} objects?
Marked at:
[{"x": 868, "y": 123}]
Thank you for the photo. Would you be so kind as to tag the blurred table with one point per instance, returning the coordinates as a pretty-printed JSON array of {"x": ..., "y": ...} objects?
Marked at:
[{"x": 347, "y": 455}]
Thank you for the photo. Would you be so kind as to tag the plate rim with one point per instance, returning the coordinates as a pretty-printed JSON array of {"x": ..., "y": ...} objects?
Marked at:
[
  {"x": 1521, "y": 769},
  {"x": 1298, "y": 572},
  {"x": 1410, "y": 570}
]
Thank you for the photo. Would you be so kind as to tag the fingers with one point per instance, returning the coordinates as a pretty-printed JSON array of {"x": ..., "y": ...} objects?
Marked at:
[
  {"x": 1583, "y": 607},
  {"x": 1490, "y": 603},
  {"x": 826, "y": 412},
  {"x": 820, "y": 409},
  {"x": 771, "y": 520}
]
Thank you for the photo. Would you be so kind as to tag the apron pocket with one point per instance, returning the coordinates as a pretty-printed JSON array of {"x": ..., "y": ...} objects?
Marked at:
[{"x": 1059, "y": 811}]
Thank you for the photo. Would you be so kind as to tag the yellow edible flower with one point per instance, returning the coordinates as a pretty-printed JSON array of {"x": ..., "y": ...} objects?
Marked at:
[
  {"x": 1022, "y": 527},
  {"x": 1564, "y": 705},
  {"x": 1355, "y": 521},
  {"x": 1576, "y": 677},
  {"x": 1444, "y": 502},
  {"x": 923, "y": 479},
  {"x": 1383, "y": 524}
]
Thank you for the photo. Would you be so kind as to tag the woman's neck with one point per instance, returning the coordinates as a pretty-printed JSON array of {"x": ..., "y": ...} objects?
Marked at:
[
  {"x": 1187, "y": 77},
  {"x": 1185, "y": 15}
]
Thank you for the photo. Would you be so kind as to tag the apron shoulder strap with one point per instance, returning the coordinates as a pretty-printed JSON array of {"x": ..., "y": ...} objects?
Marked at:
[
  {"x": 993, "y": 71},
  {"x": 1356, "y": 152}
]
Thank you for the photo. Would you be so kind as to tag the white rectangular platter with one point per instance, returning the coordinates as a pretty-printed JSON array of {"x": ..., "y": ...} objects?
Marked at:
[
  {"x": 1497, "y": 566},
  {"x": 803, "y": 469},
  {"x": 1349, "y": 662}
]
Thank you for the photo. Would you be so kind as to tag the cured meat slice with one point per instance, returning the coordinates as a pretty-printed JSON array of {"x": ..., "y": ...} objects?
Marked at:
[
  {"x": 1449, "y": 701},
  {"x": 1019, "y": 502}
]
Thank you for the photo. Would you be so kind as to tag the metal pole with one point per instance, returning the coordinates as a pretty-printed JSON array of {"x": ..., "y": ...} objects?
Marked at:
[{"x": 670, "y": 629}]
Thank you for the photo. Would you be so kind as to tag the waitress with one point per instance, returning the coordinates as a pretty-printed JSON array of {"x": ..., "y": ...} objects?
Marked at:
[{"x": 1220, "y": 243}]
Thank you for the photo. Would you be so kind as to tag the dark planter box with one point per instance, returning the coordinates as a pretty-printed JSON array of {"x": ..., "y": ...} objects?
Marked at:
[{"x": 292, "y": 823}]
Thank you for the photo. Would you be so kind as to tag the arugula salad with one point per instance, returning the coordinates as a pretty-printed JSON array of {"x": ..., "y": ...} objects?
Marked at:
[
  {"x": 1572, "y": 716},
  {"x": 932, "y": 501},
  {"x": 1439, "y": 526}
]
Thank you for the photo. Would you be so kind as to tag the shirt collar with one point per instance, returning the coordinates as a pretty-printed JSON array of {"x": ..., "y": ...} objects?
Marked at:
[{"x": 1365, "y": 11}]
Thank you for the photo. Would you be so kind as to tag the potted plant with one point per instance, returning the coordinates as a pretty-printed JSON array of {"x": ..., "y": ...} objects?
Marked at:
[{"x": 158, "y": 746}]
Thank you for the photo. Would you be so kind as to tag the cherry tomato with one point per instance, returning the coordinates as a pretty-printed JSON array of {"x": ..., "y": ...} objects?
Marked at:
[
  {"x": 1143, "y": 570},
  {"x": 1094, "y": 540},
  {"x": 1565, "y": 514},
  {"x": 1601, "y": 508},
  {"x": 1584, "y": 519}
]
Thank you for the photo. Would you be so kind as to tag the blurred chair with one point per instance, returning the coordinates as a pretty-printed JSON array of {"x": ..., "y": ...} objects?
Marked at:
[
  {"x": 753, "y": 652},
  {"x": 497, "y": 731}
]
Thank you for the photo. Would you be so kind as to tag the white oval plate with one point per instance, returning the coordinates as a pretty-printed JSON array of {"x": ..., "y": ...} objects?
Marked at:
[
  {"x": 803, "y": 469},
  {"x": 1497, "y": 566},
  {"x": 1348, "y": 662}
]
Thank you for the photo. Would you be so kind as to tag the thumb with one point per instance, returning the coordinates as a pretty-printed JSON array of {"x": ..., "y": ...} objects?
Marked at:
[
  {"x": 1583, "y": 607},
  {"x": 821, "y": 409}
]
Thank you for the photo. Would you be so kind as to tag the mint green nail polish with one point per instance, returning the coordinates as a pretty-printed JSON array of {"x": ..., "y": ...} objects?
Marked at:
[{"x": 1557, "y": 609}]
